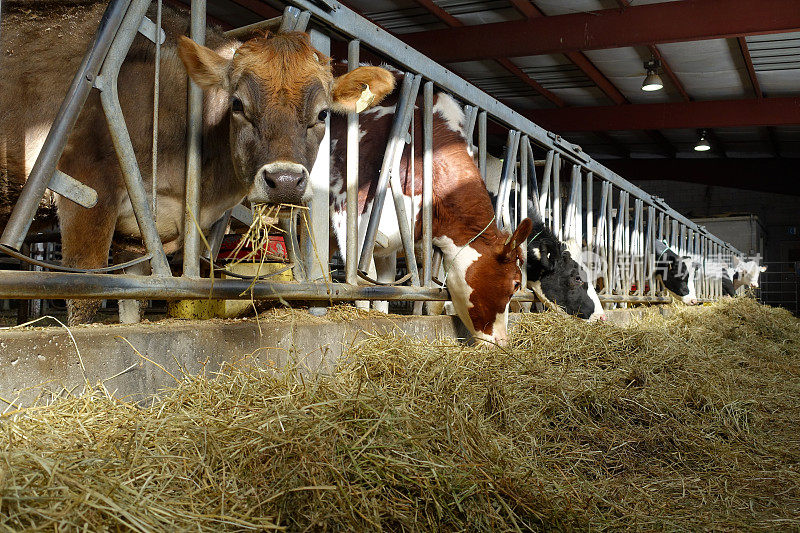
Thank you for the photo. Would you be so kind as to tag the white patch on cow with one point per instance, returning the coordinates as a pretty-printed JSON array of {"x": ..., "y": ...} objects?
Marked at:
[
  {"x": 691, "y": 267},
  {"x": 577, "y": 254},
  {"x": 494, "y": 169},
  {"x": 537, "y": 253},
  {"x": 378, "y": 111},
  {"x": 456, "y": 261},
  {"x": 452, "y": 113}
]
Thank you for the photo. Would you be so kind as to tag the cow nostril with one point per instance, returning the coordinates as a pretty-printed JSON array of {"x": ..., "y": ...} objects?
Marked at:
[
  {"x": 269, "y": 181},
  {"x": 301, "y": 183}
]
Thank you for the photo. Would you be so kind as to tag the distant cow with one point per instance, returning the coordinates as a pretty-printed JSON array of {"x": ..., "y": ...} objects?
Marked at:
[
  {"x": 745, "y": 273},
  {"x": 265, "y": 107},
  {"x": 479, "y": 260},
  {"x": 676, "y": 272},
  {"x": 553, "y": 269}
]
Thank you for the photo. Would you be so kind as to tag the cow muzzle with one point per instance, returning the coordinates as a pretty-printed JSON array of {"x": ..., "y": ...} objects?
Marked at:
[{"x": 281, "y": 182}]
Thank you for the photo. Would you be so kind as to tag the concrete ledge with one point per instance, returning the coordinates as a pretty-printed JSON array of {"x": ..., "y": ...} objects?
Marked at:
[{"x": 43, "y": 362}]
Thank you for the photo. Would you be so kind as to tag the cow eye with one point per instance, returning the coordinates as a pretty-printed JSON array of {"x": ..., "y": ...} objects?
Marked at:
[
  {"x": 578, "y": 280},
  {"x": 322, "y": 115},
  {"x": 237, "y": 106},
  {"x": 517, "y": 286}
]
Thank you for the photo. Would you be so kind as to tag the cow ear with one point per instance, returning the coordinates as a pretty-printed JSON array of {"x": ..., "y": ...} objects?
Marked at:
[
  {"x": 736, "y": 261},
  {"x": 518, "y": 237},
  {"x": 206, "y": 67},
  {"x": 361, "y": 89}
]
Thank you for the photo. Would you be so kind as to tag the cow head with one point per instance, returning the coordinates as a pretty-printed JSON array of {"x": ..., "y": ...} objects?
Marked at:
[
  {"x": 748, "y": 271},
  {"x": 677, "y": 274},
  {"x": 279, "y": 91},
  {"x": 482, "y": 276},
  {"x": 566, "y": 286}
]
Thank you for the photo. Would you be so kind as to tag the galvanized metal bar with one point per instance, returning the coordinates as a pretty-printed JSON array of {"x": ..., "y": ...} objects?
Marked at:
[
  {"x": 556, "y": 195},
  {"x": 351, "y": 256},
  {"x": 291, "y": 15},
  {"x": 194, "y": 156},
  {"x": 316, "y": 247},
  {"x": 649, "y": 249},
  {"x": 524, "y": 166},
  {"x": 42, "y": 172},
  {"x": 251, "y": 29},
  {"x": 396, "y": 136},
  {"x": 471, "y": 114},
  {"x": 24, "y": 285},
  {"x": 482, "y": 144},
  {"x": 544, "y": 201},
  {"x": 156, "y": 98},
  {"x": 72, "y": 189},
  {"x": 427, "y": 182},
  {"x": 217, "y": 234},
  {"x": 109, "y": 98},
  {"x": 506, "y": 177}
]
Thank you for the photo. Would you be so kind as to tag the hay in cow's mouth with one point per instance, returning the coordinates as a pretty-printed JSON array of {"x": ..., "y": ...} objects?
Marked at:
[{"x": 679, "y": 423}]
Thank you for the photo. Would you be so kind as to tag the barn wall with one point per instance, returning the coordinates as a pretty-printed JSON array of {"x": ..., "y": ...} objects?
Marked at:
[{"x": 779, "y": 214}]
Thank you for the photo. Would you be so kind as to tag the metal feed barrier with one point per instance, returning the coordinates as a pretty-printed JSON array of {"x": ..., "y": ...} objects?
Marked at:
[{"x": 615, "y": 222}]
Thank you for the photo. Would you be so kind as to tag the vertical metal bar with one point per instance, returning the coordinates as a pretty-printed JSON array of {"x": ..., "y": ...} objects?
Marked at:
[
  {"x": 427, "y": 180},
  {"x": 315, "y": 247},
  {"x": 25, "y": 208},
  {"x": 557, "y": 196},
  {"x": 545, "y": 193},
  {"x": 482, "y": 143},
  {"x": 396, "y": 136},
  {"x": 291, "y": 16},
  {"x": 610, "y": 239},
  {"x": 156, "y": 88},
  {"x": 194, "y": 157},
  {"x": 109, "y": 98},
  {"x": 217, "y": 234},
  {"x": 589, "y": 212},
  {"x": 471, "y": 113},
  {"x": 506, "y": 176},
  {"x": 649, "y": 250},
  {"x": 351, "y": 257},
  {"x": 524, "y": 157}
]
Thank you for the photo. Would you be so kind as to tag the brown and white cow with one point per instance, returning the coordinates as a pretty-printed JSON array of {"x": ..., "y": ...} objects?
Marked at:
[
  {"x": 265, "y": 105},
  {"x": 480, "y": 261}
]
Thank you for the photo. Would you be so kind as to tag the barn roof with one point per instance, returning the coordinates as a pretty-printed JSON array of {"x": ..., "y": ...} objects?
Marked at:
[{"x": 730, "y": 67}]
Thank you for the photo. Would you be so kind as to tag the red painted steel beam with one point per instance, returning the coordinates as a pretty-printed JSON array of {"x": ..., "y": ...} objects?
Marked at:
[
  {"x": 707, "y": 114},
  {"x": 453, "y": 22},
  {"x": 758, "y": 174},
  {"x": 751, "y": 70},
  {"x": 688, "y": 20}
]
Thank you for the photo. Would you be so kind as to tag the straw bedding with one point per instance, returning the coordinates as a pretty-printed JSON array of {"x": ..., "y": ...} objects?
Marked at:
[{"x": 680, "y": 423}]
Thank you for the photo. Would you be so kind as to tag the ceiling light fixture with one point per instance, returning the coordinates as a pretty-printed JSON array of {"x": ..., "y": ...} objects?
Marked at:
[
  {"x": 703, "y": 144},
  {"x": 652, "y": 82}
]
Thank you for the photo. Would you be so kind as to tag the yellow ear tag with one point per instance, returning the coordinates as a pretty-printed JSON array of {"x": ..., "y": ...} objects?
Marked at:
[{"x": 364, "y": 101}]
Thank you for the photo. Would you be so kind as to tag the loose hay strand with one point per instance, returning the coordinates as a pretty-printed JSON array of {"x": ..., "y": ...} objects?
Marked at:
[{"x": 679, "y": 423}]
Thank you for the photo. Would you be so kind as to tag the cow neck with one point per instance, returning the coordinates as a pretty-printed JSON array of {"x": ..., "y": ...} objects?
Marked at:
[{"x": 219, "y": 185}]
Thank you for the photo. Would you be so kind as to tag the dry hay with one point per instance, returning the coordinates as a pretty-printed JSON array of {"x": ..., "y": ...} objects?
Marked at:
[{"x": 680, "y": 423}]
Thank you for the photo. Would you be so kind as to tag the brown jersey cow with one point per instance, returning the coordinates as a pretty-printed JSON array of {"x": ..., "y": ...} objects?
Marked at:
[{"x": 265, "y": 106}]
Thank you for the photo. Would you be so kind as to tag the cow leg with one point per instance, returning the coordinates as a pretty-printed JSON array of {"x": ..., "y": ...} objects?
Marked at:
[
  {"x": 85, "y": 242},
  {"x": 386, "y": 268}
]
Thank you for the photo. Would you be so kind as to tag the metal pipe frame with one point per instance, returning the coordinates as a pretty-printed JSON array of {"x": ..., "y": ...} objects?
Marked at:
[
  {"x": 627, "y": 245},
  {"x": 405, "y": 102}
]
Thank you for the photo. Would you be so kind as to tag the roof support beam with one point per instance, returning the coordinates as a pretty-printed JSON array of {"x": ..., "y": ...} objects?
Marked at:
[
  {"x": 703, "y": 115},
  {"x": 453, "y": 22},
  {"x": 751, "y": 70},
  {"x": 688, "y": 20}
]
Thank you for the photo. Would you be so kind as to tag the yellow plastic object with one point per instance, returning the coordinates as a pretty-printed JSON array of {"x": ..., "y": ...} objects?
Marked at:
[
  {"x": 204, "y": 309},
  {"x": 234, "y": 308}
]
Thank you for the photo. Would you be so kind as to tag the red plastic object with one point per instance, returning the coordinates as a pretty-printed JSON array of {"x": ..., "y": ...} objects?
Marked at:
[{"x": 275, "y": 249}]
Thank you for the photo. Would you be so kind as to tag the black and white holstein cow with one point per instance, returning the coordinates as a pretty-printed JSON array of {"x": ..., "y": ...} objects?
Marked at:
[
  {"x": 553, "y": 269},
  {"x": 745, "y": 273},
  {"x": 479, "y": 260},
  {"x": 676, "y": 272}
]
